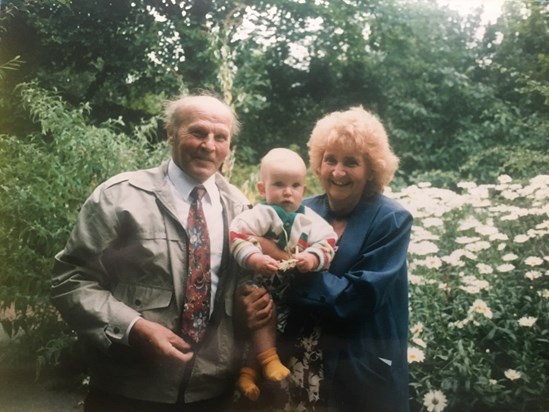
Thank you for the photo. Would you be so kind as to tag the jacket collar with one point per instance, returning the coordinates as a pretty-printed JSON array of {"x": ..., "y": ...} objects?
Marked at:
[{"x": 155, "y": 181}]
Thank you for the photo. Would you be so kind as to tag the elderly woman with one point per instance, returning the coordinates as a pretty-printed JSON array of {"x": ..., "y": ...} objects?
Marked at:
[{"x": 348, "y": 331}]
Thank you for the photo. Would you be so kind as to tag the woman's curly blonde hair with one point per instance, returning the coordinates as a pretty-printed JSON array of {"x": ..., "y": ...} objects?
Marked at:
[{"x": 362, "y": 132}]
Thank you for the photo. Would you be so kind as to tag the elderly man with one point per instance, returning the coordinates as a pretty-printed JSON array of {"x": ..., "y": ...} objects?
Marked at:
[{"x": 146, "y": 279}]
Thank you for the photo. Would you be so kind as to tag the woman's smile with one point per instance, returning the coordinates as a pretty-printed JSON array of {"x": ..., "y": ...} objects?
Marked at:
[{"x": 343, "y": 175}]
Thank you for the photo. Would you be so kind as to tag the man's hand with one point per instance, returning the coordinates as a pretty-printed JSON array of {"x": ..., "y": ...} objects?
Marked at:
[
  {"x": 159, "y": 342},
  {"x": 306, "y": 261},
  {"x": 253, "y": 306}
]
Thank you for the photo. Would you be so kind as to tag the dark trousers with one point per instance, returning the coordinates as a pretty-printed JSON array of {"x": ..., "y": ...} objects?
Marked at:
[{"x": 99, "y": 401}]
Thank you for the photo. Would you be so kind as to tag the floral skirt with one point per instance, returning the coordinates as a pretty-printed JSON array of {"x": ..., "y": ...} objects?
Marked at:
[{"x": 303, "y": 390}]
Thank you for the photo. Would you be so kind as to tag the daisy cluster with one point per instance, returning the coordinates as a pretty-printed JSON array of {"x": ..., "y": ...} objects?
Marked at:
[{"x": 479, "y": 294}]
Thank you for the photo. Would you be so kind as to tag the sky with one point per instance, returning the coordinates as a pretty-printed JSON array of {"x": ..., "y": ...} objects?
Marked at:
[{"x": 492, "y": 8}]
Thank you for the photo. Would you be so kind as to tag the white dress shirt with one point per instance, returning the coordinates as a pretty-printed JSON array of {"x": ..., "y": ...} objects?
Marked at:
[{"x": 182, "y": 186}]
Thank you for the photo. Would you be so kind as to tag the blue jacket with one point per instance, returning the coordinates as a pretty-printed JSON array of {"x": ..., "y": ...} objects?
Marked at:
[{"x": 363, "y": 304}]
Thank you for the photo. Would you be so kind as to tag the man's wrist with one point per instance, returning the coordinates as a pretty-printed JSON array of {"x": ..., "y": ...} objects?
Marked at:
[{"x": 126, "y": 338}]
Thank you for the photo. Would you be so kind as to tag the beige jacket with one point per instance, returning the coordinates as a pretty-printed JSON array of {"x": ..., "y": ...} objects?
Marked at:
[{"x": 127, "y": 256}]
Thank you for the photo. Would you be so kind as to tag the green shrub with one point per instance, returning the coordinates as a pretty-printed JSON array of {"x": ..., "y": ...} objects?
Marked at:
[
  {"x": 44, "y": 179},
  {"x": 519, "y": 162}
]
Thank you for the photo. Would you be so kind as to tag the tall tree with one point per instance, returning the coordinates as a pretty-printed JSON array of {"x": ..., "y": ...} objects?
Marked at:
[
  {"x": 123, "y": 57},
  {"x": 513, "y": 61}
]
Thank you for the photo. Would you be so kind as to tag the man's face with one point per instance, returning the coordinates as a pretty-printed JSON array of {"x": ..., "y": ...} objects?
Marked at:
[{"x": 202, "y": 141}]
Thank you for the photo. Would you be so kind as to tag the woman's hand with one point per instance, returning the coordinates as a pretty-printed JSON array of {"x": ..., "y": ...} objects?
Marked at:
[{"x": 253, "y": 306}]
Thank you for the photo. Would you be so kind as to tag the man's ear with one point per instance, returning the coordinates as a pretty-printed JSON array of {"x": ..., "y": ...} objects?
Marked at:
[
  {"x": 260, "y": 186},
  {"x": 171, "y": 134}
]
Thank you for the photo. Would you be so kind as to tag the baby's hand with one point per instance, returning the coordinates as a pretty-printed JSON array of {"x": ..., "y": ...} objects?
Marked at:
[
  {"x": 262, "y": 264},
  {"x": 306, "y": 261}
]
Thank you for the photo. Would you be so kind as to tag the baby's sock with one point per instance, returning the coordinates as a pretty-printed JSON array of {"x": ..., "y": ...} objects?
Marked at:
[
  {"x": 273, "y": 369},
  {"x": 246, "y": 383}
]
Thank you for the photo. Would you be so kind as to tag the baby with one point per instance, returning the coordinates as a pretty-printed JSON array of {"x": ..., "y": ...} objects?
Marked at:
[{"x": 307, "y": 238}]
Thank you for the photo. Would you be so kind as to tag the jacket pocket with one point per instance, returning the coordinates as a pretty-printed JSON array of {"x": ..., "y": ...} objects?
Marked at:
[{"x": 143, "y": 298}]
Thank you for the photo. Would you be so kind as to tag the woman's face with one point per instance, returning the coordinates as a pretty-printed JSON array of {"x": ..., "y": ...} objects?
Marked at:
[{"x": 343, "y": 173}]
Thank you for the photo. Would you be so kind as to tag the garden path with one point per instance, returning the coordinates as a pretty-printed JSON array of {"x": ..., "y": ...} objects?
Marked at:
[{"x": 21, "y": 392}]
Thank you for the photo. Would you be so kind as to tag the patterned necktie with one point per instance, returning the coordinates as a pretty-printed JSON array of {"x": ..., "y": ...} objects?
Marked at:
[{"x": 196, "y": 310}]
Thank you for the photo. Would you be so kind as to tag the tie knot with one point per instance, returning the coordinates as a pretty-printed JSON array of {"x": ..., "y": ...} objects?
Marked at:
[{"x": 198, "y": 192}]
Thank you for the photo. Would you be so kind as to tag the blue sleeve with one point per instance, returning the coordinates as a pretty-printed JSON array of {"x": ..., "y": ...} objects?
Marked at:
[{"x": 375, "y": 276}]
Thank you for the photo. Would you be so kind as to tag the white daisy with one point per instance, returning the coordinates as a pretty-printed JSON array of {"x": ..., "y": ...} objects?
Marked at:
[
  {"x": 504, "y": 179},
  {"x": 435, "y": 401},
  {"x": 527, "y": 321},
  {"x": 509, "y": 257},
  {"x": 479, "y": 306},
  {"x": 484, "y": 268},
  {"x": 521, "y": 238},
  {"x": 512, "y": 374},
  {"x": 533, "y": 261},
  {"x": 507, "y": 267},
  {"x": 532, "y": 274},
  {"x": 415, "y": 355}
]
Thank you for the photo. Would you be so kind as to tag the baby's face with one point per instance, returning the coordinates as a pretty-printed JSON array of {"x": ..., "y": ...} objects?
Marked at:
[{"x": 284, "y": 186}]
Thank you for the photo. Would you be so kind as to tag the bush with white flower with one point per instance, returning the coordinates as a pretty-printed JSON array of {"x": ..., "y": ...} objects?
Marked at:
[{"x": 479, "y": 296}]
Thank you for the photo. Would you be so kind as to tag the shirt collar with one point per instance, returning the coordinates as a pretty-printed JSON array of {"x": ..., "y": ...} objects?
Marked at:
[{"x": 184, "y": 184}]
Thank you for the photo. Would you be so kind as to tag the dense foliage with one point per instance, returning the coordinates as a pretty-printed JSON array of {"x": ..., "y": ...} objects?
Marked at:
[
  {"x": 460, "y": 100},
  {"x": 81, "y": 90},
  {"x": 45, "y": 177}
]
